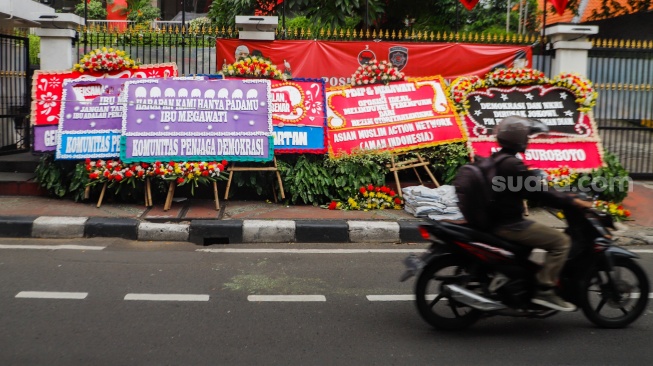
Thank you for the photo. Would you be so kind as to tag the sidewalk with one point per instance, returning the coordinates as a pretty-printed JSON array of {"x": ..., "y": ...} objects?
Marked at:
[{"x": 197, "y": 221}]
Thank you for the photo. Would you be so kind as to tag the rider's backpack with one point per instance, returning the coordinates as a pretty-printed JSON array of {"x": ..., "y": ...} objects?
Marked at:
[{"x": 473, "y": 184}]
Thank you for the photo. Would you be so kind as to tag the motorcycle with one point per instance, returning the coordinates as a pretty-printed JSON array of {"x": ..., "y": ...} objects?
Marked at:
[{"x": 467, "y": 274}]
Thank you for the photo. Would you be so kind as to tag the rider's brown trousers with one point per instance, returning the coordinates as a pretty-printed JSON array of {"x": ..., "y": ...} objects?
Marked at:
[{"x": 536, "y": 235}]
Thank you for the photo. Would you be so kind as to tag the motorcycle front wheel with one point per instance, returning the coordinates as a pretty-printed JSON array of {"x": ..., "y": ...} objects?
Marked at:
[
  {"x": 433, "y": 301},
  {"x": 618, "y": 305}
]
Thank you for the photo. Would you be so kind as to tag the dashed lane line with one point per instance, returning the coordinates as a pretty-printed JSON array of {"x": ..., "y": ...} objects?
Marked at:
[
  {"x": 166, "y": 297},
  {"x": 289, "y": 298},
  {"x": 51, "y": 247},
  {"x": 204, "y": 297},
  {"x": 52, "y": 295}
]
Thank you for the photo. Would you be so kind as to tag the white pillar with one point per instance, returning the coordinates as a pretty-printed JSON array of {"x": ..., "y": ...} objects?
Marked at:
[
  {"x": 570, "y": 43},
  {"x": 56, "y": 48},
  {"x": 57, "y": 33}
]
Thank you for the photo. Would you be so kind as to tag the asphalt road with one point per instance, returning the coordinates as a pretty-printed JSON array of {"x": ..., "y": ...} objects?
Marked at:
[{"x": 117, "y": 302}]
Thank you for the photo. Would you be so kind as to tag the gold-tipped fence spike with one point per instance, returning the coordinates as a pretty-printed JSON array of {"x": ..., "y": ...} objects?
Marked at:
[
  {"x": 321, "y": 33},
  {"x": 393, "y": 34},
  {"x": 309, "y": 33}
]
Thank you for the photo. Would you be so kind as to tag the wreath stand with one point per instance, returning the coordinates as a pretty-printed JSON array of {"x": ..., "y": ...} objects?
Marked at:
[
  {"x": 148, "y": 193},
  {"x": 233, "y": 168},
  {"x": 397, "y": 164},
  {"x": 171, "y": 194}
]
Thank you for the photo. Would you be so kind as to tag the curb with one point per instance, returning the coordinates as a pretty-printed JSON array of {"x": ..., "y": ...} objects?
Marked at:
[{"x": 209, "y": 232}]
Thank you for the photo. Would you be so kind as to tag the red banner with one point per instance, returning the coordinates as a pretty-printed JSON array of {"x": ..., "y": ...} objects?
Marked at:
[
  {"x": 47, "y": 87},
  {"x": 579, "y": 155},
  {"x": 399, "y": 116},
  {"x": 336, "y": 61}
]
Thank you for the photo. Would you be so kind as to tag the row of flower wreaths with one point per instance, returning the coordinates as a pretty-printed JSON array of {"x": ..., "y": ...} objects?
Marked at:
[{"x": 115, "y": 172}]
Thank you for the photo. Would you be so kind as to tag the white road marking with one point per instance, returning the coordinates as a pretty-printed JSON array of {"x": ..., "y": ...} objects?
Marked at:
[
  {"x": 391, "y": 297},
  {"x": 311, "y": 251},
  {"x": 396, "y": 297},
  {"x": 255, "y": 298},
  {"x": 645, "y": 251},
  {"x": 166, "y": 297},
  {"x": 52, "y": 295},
  {"x": 635, "y": 295},
  {"x": 51, "y": 247}
]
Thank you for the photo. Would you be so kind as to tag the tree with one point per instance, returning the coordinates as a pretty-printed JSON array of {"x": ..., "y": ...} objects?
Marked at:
[
  {"x": 441, "y": 15},
  {"x": 94, "y": 10}
]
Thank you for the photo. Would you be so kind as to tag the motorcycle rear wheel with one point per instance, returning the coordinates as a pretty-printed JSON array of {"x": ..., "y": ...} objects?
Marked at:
[
  {"x": 434, "y": 304},
  {"x": 604, "y": 309}
]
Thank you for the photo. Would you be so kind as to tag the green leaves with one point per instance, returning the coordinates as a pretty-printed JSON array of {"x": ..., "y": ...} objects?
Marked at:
[{"x": 610, "y": 182}]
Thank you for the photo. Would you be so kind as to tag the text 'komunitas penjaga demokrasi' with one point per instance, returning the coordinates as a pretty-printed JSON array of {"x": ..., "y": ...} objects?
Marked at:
[{"x": 198, "y": 146}]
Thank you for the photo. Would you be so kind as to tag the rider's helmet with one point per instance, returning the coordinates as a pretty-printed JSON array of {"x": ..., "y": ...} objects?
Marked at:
[{"x": 513, "y": 132}]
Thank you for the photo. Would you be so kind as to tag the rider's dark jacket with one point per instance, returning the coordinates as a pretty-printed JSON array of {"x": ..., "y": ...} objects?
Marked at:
[{"x": 513, "y": 183}]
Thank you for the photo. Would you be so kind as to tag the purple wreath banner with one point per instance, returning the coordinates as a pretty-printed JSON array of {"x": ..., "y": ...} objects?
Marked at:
[
  {"x": 90, "y": 119},
  {"x": 190, "y": 119}
]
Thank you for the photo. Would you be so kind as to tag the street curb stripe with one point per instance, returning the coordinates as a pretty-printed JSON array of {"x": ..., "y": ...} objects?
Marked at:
[
  {"x": 51, "y": 247},
  {"x": 166, "y": 297},
  {"x": 311, "y": 251},
  {"x": 297, "y": 298},
  {"x": 51, "y": 295}
]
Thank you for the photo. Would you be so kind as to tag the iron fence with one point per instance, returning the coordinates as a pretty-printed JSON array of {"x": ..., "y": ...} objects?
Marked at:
[
  {"x": 14, "y": 94},
  {"x": 622, "y": 73}
]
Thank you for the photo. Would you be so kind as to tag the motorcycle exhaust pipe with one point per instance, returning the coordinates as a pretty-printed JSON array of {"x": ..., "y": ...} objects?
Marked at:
[{"x": 472, "y": 299}]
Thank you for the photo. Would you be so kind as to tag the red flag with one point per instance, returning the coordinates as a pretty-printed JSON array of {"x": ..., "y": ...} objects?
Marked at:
[
  {"x": 469, "y": 4},
  {"x": 279, "y": 2},
  {"x": 560, "y": 5}
]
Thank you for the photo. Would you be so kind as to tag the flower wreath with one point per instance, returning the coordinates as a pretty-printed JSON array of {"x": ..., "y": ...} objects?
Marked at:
[
  {"x": 117, "y": 172},
  {"x": 105, "y": 60},
  {"x": 582, "y": 88},
  {"x": 376, "y": 72},
  {"x": 370, "y": 197},
  {"x": 253, "y": 67}
]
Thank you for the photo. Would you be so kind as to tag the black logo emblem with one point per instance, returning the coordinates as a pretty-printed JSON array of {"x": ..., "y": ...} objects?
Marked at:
[
  {"x": 398, "y": 56},
  {"x": 365, "y": 56}
]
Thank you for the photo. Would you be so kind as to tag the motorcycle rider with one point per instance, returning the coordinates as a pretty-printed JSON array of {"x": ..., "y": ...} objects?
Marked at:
[{"x": 509, "y": 223}]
